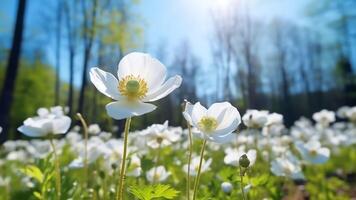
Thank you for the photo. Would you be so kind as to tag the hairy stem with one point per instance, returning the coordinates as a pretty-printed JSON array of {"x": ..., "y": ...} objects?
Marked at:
[
  {"x": 119, "y": 193},
  {"x": 85, "y": 128},
  {"x": 58, "y": 171},
  {"x": 189, "y": 159},
  {"x": 196, "y": 182},
  {"x": 242, "y": 184}
]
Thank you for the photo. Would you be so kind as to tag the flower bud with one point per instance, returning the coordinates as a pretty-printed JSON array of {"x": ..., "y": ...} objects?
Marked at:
[
  {"x": 226, "y": 187},
  {"x": 244, "y": 161}
]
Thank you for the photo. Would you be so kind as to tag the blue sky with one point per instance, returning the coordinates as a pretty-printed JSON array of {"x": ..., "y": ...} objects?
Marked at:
[{"x": 167, "y": 22}]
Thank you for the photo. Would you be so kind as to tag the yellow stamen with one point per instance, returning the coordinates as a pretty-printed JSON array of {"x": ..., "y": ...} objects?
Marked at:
[
  {"x": 208, "y": 124},
  {"x": 133, "y": 87}
]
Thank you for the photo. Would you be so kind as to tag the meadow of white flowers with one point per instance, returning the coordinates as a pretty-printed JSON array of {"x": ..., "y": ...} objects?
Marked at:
[{"x": 219, "y": 155}]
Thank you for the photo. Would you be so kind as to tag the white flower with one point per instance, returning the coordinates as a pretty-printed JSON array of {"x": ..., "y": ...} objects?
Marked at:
[
  {"x": 216, "y": 123},
  {"x": 94, "y": 129},
  {"x": 274, "y": 118},
  {"x": 140, "y": 80},
  {"x": 157, "y": 174},
  {"x": 255, "y": 118},
  {"x": 194, "y": 165},
  {"x": 134, "y": 169},
  {"x": 351, "y": 114},
  {"x": 233, "y": 155},
  {"x": 342, "y": 112},
  {"x": 46, "y": 123},
  {"x": 4, "y": 181},
  {"x": 324, "y": 117},
  {"x": 159, "y": 135},
  {"x": 226, "y": 187},
  {"x": 288, "y": 166},
  {"x": 0, "y": 129},
  {"x": 313, "y": 152}
]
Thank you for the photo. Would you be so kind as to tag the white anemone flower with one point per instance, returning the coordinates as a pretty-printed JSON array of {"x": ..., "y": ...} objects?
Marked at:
[
  {"x": 255, "y": 118},
  {"x": 159, "y": 135},
  {"x": 351, "y": 114},
  {"x": 214, "y": 124},
  {"x": 287, "y": 166},
  {"x": 157, "y": 174},
  {"x": 141, "y": 79},
  {"x": 194, "y": 165},
  {"x": 94, "y": 129},
  {"x": 312, "y": 152},
  {"x": 274, "y": 119},
  {"x": 47, "y": 122},
  {"x": 233, "y": 155},
  {"x": 226, "y": 187},
  {"x": 324, "y": 117}
]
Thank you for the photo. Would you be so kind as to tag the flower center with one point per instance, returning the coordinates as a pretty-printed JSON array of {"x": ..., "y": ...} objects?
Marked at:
[
  {"x": 313, "y": 152},
  {"x": 156, "y": 176},
  {"x": 208, "y": 124},
  {"x": 133, "y": 87}
]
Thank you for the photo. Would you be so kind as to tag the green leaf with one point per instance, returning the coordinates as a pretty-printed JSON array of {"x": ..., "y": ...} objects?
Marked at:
[
  {"x": 152, "y": 192},
  {"x": 37, "y": 195},
  {"x": 34, "y": 172},
  {"x": 164, "y": 191}
]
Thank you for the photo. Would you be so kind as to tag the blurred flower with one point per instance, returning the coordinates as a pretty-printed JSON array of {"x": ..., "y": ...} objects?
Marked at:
[
  {"x": 288, "y": 166},
  {"x": 274, "y": 119},
  {"x": 351, "y": 114},
  {"x": 140, "y": 79},
  {"x": 4, "y": 181},
  {"x": 47, "y": 122},
  {"x": 324, "y": 117},
  {"x": 255, "y": 118},
  {"x": 0, "y": 129},
  {"x": 159, "y": 135},
  {"x": 134, "y": 169},
  {"x": 94, "y": 129},
  {"x": 216, "y": 123},
  {"x": 157, "y": 174},
  {"x": 313, "y": 152},
  {"x": 233, "y": 155},
  {"x": 342, "y": 112},
  {"x": 194, "y": 165},
  {"x": 226, "y": 187}
]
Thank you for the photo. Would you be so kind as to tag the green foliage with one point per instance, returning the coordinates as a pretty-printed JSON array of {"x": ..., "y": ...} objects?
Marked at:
[
  {"x": 34, "y": 89},
  {"x": 34, "y": 172},
  {"x": 153, "y": 192}
]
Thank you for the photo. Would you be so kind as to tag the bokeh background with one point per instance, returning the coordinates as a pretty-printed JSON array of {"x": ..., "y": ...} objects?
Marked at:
[{"x": 287, "y": 56}]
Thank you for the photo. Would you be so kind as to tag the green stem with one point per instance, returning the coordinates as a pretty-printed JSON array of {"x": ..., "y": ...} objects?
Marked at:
[
  {"x": 157, "y": 160},
  {"x": 242, "y": 184},
  {"x": 196, "y": 182},
  {"x": 85, "y": 127},
  {"x": 189, "y": 159},
  {"x": 119, "y": 193},
  {"x": 58, "y": 171}
]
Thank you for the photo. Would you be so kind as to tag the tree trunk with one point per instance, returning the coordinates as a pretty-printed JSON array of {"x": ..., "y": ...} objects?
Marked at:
[
  {"x": 11, "y": 70},
  {"x": 58, "y": 54}
]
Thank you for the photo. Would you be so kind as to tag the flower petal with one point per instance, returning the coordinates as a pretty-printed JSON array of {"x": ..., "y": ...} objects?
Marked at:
[
  {"x": 170, "y": 85},
  {"x": 231, "y": 119},
  {"x": 61, "y": 125},
  {"x": 188, "y": 112},
  {"x": 31, "y": 131},
  {"x": 144, "y": 66},
  {"x": 197, "y": 113},
  {"x": 124, "y": 109},
  {"x": 105, "y": 82}
]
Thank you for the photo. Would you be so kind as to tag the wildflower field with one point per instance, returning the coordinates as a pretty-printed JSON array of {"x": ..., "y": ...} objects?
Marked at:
[
  {"x": 220, "y": 153},
  {"x": 177, "y": 100}
]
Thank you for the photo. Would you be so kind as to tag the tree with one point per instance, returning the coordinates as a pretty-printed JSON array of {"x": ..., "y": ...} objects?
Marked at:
[
  {"x": 11, "y": 70},
  {"x": 89, "y": 26}
]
